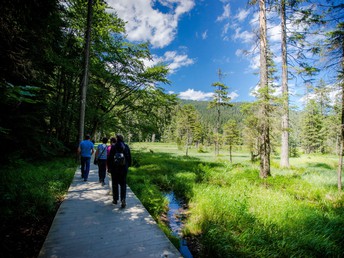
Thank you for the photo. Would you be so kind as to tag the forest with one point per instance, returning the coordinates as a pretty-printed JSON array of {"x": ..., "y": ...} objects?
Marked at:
[
  {"x": 42, "y": 77},
  {"x": 52, "y": 51}
]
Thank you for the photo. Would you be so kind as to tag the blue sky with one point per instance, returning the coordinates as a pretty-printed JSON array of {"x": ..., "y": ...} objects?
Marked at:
[{"x": 196, "y": 38}]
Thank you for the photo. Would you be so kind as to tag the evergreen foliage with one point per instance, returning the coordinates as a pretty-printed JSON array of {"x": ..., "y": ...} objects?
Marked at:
[{"x": 313, "y": 133}]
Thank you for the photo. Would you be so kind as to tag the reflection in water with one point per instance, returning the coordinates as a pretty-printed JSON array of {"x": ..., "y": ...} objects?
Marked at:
[{"x": 175, "y": 217}]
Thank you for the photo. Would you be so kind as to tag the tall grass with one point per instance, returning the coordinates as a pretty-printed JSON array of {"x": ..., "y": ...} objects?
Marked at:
[
  {"x": 297, "y": 212},
  {"x": 29, "y": 197},
  {"x": 31, "y": 190}
]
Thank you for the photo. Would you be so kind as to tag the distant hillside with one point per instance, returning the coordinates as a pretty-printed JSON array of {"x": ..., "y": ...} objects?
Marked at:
[{"x": 209, "y": 115}]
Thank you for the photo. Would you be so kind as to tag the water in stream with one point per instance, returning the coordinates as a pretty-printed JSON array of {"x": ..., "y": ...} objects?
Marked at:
[{"x": 175, "y": 218}]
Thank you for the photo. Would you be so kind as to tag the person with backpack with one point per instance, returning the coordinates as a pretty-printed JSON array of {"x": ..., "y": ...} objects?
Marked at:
[
  {"x": 119, "y": 161},
  {"x": 100, "y": 159}
]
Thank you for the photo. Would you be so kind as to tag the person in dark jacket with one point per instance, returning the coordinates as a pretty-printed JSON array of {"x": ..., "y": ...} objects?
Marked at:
[{"x": 118, "y": 170}]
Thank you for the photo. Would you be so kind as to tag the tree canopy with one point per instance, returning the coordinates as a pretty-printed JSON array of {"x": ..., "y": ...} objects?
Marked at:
[{"x": 41, "y": 49}]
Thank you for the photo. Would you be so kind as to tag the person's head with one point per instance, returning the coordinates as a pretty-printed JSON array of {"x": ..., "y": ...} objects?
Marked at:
[
  {"x": 119, "y": 138},
  {"x": 104, "y": 140},
  {"x": 87, "y": 137},
  {"x": 113, "y": 140}
]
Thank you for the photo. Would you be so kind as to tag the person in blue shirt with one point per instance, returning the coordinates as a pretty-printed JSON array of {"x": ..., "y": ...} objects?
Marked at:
[
  {"x": 101, "y": 156},
  {"x": 86, "y": 151}
]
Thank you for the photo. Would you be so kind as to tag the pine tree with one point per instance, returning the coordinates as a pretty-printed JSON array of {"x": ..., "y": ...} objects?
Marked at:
[
  {"x": 313, "y": 133},
  {"x": 231, "y": 135},
  {"x": 220, "y": 99},
  {"x": 251, "y": 129},
  {"x": 187, "y": 122}
]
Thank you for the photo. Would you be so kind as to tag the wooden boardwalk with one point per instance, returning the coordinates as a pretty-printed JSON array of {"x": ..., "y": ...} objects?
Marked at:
[{"x": 87, "y": 224}]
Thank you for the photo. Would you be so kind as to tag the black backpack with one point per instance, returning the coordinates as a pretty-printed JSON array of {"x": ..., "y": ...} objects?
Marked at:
[{"x": 119, "y": 158}]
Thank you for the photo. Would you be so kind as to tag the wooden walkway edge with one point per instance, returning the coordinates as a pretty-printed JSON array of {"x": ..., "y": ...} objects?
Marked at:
[{"x": 87, "y": 225}]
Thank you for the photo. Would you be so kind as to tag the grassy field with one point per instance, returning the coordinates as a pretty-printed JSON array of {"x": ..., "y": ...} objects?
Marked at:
[{"x": 298, "y": 212}]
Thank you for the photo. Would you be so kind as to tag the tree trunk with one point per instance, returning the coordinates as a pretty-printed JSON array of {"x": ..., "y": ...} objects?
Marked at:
[
  {"x": 264, "y": 149},
  {"x": 217, "y": 131},
  {"x": 230, "y": 153},
  {"x": 187, "y": 144},
  {"x": 84, "y": 81},
  {"x": 341, "y": 138},
  {"x": 340, "y": 165},
  {"x": 285, "y": 93}
]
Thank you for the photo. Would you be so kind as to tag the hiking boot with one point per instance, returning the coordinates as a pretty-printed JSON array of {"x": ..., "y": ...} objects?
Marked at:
[
  {"x": 123, "y": 204},
  {"x": 114, "y": 202}
]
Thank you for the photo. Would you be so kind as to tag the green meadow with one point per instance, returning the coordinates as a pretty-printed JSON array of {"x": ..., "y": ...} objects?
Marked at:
[{"x": 297, "y": 212}]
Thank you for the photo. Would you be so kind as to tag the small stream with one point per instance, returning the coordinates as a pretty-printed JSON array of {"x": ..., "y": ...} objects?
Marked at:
[{"x": 175, "y": 217}]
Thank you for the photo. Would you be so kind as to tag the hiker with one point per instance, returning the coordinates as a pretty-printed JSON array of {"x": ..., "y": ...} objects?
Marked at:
[
  {"x": 85, "y": 150},
  {"x": 100, "y": 159},
  {"x": 112, "y": 142},
  {"x": 119, "y": 161}
]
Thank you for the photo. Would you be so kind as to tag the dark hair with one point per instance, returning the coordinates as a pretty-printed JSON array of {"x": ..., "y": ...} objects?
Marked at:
[
  {"x": 113, "y": 140},
  {"x": 87, "y": 137},
  {"x": 105, "y": 140},
  {"x": 120, "y": 137}
]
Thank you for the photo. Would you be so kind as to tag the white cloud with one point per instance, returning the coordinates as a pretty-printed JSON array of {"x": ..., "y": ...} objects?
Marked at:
[
  {"x": 196, "y": 95},
  {"x": 332, "y": 92},
  {"x": 274, "y": 33},
  {"x": 242, "y": 14},
  {"x": 225, "y": 30},
  {"x": 255, "y": 62},
  {"x": 172, "y": 59},
  {"x": 205, "y": 34},
  {"x": 233, "y": 95},
  {"x": 147, "y": 24},
  {"x": 226, "y": 13},
  {"x": 244, "y": 36},
  {"x": 192, "y": 94}
]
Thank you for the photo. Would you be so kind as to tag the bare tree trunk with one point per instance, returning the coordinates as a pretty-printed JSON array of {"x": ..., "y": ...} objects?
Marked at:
[
  {"x": 84, "y": 81},
  {"x": 340, "y": 165},
  {"x": 285, "y": 93},
  {"x": 230, "y": 153},
  {"x": 187, "y": 144},
  {"x": 341, "y": 140},
  {"x": 264, "y": 149},
  {"x": 217, "y": 129}
]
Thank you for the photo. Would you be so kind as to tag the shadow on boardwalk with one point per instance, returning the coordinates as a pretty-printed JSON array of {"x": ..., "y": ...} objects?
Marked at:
[{"x": 87, "y": 224}]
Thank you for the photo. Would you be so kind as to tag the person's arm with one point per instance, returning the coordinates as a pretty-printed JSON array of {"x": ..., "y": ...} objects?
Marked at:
[
  {"x": 97, "y": 152},
  {"x": 79, "y": 150},
  {"x": 128, "y": 154},
  {"x": 92, "y": 149},
  {"x": 110, "y": 157}
]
